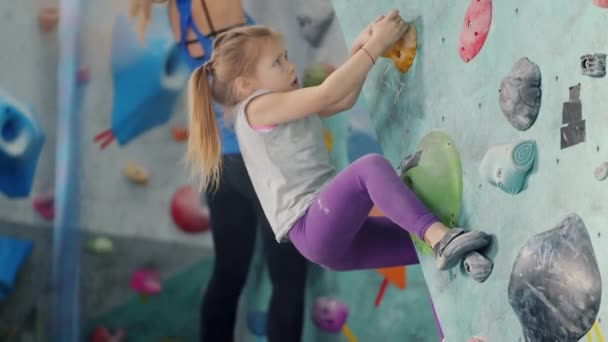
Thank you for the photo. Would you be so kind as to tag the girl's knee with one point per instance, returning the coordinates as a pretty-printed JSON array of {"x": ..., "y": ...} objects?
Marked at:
[{"x": 374, "y": 161}]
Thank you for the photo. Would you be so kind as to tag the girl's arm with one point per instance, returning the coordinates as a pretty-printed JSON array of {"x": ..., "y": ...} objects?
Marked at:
[
  {"x": 278, "y": 108},
  {"x": 346, "y": 103}
]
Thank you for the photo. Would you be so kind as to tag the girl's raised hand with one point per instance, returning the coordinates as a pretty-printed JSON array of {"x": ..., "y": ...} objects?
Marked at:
[{"x": 385, "y": 32}]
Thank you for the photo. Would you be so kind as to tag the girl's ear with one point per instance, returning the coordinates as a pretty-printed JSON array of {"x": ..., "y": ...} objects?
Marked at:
[{"x": 243, "y": 86}]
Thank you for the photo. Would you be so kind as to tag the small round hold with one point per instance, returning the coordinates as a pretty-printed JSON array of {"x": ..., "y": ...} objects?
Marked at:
[
  {"x": 477, "y": 266},
  {"x": 601, "y": 172}
]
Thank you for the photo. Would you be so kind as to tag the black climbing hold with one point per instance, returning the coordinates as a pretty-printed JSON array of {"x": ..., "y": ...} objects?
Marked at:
[
  {"x": 520, "y": 94},
  {"x": 593, "y": 65},
  {"x": 477, "y": 266},
  {"x": 555, "y": 287}
]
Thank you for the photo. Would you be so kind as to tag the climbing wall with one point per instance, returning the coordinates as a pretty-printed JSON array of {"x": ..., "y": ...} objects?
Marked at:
[
  {"x": 132, "y": 143},
  {"x": 512, "y": 94}
]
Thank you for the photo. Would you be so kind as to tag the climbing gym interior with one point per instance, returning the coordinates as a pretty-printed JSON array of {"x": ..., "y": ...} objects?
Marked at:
[{"x": 491, "y": 112}]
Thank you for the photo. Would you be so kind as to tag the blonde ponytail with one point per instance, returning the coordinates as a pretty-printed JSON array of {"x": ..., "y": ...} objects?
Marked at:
[
  {"x": 141, "y": 11},
  {"x": 204, "y": 146}
]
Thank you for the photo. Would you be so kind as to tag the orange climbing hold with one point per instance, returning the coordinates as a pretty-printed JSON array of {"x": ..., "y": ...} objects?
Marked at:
[
  {"x": 376, "y": 212},
  {"x": 327, "y": 138},
  {"x": 179, "y": 134},
  {"x": 48, "y": 18},
  {"x": 403, "y": 51}
]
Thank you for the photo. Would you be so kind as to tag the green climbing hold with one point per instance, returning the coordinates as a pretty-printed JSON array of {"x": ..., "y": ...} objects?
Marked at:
[
  {"x": 99, "y": 245},
  {"x": 437, "y": 180}
]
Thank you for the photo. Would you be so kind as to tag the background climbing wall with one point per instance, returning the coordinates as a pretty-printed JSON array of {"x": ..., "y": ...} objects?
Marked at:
[
  {"x": 442, "y": 92},
  {"x": 137, "y": 217}
]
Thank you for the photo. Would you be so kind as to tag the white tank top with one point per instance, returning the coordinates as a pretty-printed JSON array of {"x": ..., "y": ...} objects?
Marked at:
[{"x": 288, "y": 165}]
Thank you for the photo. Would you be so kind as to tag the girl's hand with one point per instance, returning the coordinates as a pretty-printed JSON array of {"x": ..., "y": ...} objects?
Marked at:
[
  {"x": 364, "y": 36},
  {"x": 385, "y": 33}
]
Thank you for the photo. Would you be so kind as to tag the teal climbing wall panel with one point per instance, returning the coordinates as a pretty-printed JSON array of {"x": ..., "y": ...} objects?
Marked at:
[{"x": 442, "y": 92}]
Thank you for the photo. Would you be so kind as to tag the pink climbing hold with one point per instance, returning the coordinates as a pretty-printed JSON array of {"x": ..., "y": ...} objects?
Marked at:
[
  {"x": 145, "y": 282},
  {"x": 475, "y": 28},
  {"x": 601, "y": 3},
  {"x": 187, "y": 212},
  {"x": 45, "y": 206},
  {"x": 48, "y": 18},
  {"x": 83, "y": 75},
  {"x": 101, "y": 334}
]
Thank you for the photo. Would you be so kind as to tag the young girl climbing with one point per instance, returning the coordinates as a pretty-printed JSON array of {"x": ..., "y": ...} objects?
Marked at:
[
  {"x": 323, "y": 214},
  {"x": 234, "y": 207}
]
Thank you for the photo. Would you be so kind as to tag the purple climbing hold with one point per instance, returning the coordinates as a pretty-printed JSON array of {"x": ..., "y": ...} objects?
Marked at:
[{"x": 329, "y": 314}]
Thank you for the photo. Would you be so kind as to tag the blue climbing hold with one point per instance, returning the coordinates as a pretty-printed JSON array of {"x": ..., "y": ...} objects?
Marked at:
[
  {"x": 21, "y": 139},
  {"x": 256, "y": 322},
  {"x": 12, "y": 255},
  {"x": 148, "y": 77}
]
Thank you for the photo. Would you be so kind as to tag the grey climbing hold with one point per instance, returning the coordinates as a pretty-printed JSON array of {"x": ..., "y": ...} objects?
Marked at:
[
  {"x": 555, "y": 287},
  {"x": 573, "y": 130},
  {"x": 314, "y": 18},
  {"x": 477, "y": 266},
  {"x": 601, "y": 172},
  {"x": 593, "y": 65},
  {"x": 520, "y": 94}
]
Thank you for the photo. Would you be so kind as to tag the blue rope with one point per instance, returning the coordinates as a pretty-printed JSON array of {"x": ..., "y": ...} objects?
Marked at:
[{"x": 65, "y": 282}]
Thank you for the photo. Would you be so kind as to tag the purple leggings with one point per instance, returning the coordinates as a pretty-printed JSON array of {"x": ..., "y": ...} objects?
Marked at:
[{"x": 337, "y": 233}]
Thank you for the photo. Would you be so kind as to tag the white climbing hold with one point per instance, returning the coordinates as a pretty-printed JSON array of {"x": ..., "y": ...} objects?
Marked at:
[{"x": 601, "y": 172}]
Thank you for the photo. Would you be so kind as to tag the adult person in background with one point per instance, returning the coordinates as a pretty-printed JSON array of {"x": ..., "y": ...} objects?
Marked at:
[{"x": 234, "y": 206}]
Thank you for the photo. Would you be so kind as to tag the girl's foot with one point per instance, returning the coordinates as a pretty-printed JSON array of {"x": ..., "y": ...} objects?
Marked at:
[{"x": 455, "y": 244}]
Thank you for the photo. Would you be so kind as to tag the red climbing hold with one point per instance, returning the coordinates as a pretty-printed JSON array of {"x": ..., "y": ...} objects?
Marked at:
[
  {"x": 601, "y": 3},
  {"x": 187, "y": 212},
  {"x": 475, "y": 28},
  {"x": 101, "y": 334}
]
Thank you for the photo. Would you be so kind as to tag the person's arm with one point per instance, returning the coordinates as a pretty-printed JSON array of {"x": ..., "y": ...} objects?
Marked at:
[
  {"x": 346, "y": 103},
  {"x": 278, "y": 108}
]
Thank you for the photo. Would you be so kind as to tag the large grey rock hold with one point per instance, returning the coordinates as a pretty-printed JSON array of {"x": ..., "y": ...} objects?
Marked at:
[
  {"x": 520, "y": 94},
  {"x": 555, "y": 287}
]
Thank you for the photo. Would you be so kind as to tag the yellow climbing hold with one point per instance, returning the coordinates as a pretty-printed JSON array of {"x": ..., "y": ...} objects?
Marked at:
[
  {"x": 136, "y": 173},
  {"x": 327, "y": 138},
  {"x": 349, "y": 334},
  {"x": 598, "y": 334},
  {"x": 404, "y": 50}
]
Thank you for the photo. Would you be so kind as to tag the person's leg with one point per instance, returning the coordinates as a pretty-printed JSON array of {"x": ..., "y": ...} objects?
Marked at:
[
  {"x": 233, "y": 224},
  {"x": 287, "y": 269},
  {"x": 336, "y": 229},
  {"x": 338, "y": 233}
]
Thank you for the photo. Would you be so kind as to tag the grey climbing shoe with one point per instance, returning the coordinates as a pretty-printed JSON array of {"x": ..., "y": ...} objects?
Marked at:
[
  {"x": 409, "y": 162},
  {"x": 477, "y": 266},
  {"x": 455, "y": 244}
]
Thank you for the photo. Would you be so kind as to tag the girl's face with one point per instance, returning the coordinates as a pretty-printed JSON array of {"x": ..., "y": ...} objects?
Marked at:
[{"x": 274, "y": 71}]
